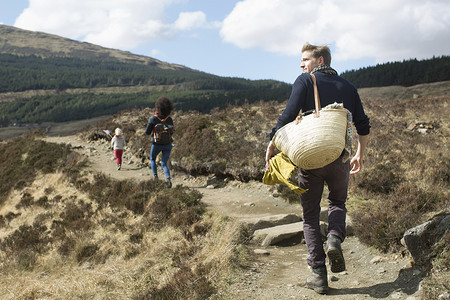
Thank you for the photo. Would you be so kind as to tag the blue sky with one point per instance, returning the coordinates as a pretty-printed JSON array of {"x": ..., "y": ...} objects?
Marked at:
[{"x": 254, "y": 39}]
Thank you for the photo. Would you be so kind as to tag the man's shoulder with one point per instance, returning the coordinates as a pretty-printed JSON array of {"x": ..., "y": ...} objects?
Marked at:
[
  {"x": 303, "y": 79},
  {"x": 336, "y": 78},
  {"x": 342, "y": 79}
]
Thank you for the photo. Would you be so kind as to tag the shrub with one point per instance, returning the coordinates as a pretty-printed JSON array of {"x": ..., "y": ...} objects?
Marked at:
[
  {"x": 438, "y": 282},
  {"x": 25, "y": 201},
  {"x": 33, "y": 238},
  {"x": 185, "y": 284},
  {"x": 85, "y": 251},
  {"x": 383, "y": 220},
  {"x": 22, "y": 157},
  {"x": 180, "y": 208},
  {"x": 379, "y": 179}
]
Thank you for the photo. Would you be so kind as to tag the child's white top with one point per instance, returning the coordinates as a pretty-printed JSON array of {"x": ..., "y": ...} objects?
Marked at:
[{"x": 118, "y": 142}]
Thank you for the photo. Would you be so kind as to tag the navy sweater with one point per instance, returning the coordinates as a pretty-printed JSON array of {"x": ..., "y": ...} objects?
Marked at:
[{"x": 332, "y": 88}]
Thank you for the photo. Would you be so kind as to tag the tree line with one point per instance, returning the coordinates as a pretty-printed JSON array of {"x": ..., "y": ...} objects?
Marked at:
[
  {"x": 21, "y": 73},
  {"x": 68, "y": 107},
  {"x": 190, "y": 89},
  {"x": 405, "y": 73}
]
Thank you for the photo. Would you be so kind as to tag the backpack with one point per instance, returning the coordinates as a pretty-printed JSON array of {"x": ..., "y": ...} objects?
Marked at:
[{"x": 162, "y": 133}]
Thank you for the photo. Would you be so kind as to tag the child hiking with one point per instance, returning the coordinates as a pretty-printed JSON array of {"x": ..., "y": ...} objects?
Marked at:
[
  {"x": 160, "y": 127},
  {"x": 118, "y": 143}
]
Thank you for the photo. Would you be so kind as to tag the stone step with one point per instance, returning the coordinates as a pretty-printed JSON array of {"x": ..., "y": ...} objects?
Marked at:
[
  {"x": 273, "y": 235},
  {"x": 254, "y": 224}
]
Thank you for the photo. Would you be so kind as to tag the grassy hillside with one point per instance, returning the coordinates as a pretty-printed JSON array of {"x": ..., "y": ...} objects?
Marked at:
[
  {"x": 46, "y": 78},
  {"x": 21, "y": 42},
  {"x": 405, "y": 180},
  {"x": 85, "y": 234},
  {"x": 69, "y": 232}
]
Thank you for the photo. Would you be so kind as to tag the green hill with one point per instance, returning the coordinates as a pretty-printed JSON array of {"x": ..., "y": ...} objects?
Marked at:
[{"x": 46, "y": 78}]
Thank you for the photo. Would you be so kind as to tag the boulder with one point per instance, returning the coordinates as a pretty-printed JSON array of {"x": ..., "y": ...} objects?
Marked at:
[
  {"x": 271, "y": 221},
  {"x": 274, "y": 235},
  {"x": 420, "y": 239}
]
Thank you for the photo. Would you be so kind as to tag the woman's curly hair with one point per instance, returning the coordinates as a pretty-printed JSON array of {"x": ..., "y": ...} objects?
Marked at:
[{"x": 164, "y": 106}]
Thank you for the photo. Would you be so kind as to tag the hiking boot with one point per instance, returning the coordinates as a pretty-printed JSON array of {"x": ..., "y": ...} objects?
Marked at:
[
  {"x": 334, "y": 253},
  {"x": 168, "y": 183},
  {"x": 118, "y": 167},
  {"x": 318, "y": 280},
  {"x": 155, "y": 177}
]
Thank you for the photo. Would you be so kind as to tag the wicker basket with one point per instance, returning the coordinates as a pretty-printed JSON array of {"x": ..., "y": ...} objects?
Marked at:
[{"x": 315, "y": 140}]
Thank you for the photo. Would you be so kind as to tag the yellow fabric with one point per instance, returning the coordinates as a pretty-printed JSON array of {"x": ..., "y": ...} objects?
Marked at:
[{"x": 281, "y": 170}]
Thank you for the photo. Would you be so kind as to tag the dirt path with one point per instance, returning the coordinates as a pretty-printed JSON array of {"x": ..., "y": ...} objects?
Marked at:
[{"x": 281, "y": 273}]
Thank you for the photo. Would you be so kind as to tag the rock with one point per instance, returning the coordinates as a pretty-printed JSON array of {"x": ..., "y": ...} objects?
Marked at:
[
  {"x": 422, "y": 130},
  {"x": 420, "y": 239},
  {"x": 349, "y": 226},
  {"x": 87, "y": 265},
  {"x": 277, "y": 234},
  {"x": 261, "y": 252},
  {"x": 249, "y": 204},
  {"x": 215, "y": 182},
  {"x": 271, "y": 221},
  {"x": 332, "y": 278},
  {"x": 411, "y": 126},
  {"x": 376, "y": 259}
]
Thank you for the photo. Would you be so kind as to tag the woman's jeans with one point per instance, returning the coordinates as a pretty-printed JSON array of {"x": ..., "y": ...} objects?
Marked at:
[
  {"x": 165, "y": 149},
  {"x": 336, "y": 176}
]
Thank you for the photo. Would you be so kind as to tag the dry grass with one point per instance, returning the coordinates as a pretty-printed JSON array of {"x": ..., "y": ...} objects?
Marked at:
[
  {"x": 72, "y": 233},
  {"x": 68, "y": 232}
]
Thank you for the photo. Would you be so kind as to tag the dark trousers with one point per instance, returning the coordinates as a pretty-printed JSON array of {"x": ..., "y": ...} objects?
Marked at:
[{"x": 336, "y": 176}]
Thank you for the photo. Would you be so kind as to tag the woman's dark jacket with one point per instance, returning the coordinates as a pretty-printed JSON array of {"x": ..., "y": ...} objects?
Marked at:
[{"x": 152, "y": 121}]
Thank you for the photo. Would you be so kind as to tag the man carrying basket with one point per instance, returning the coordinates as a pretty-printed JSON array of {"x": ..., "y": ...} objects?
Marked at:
[{"x": 331, "y": 88}]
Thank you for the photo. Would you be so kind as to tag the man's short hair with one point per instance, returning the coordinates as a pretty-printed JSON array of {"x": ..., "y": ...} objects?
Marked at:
[{"x": 318, "y": 51}]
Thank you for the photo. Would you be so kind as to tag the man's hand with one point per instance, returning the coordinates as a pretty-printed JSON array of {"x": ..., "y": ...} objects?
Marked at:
[
  {"x": 356, "y": 162},
  {"x": 355, "y": 165},
  {"x": 269, "y": 153}
]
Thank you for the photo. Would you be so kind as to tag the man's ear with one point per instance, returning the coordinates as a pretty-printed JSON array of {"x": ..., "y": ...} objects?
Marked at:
[{"x": 321, "y": 60}]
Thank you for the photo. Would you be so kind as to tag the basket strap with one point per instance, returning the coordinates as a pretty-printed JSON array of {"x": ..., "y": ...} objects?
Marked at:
[{"x": 316, "y": 96}]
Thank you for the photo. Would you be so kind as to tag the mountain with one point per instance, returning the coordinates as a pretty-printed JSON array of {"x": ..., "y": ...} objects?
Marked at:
[
  {"x": 46, "y": 78},
  {"x": 21, "y": 42}
]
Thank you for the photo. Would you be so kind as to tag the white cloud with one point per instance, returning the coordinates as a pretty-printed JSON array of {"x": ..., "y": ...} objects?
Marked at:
[
  {"x": 110, "y": 23},
  {"x": 384, "y": 29},
  {"x": 190, "y": 20}
]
